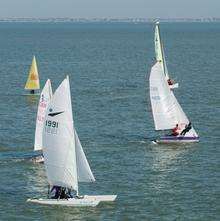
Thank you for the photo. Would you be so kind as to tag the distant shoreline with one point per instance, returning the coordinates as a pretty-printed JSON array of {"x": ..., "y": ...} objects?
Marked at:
[{"x": 108, "y": 20}]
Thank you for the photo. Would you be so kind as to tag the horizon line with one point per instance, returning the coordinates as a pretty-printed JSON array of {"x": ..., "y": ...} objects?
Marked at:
[{"x": 105, "y": 19}]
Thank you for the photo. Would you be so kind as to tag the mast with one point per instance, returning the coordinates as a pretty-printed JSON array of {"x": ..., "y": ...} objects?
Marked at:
[{"x": 75, "y": 160}]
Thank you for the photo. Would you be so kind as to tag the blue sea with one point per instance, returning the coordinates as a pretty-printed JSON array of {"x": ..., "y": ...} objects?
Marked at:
[{"x": 109, "y": 67}]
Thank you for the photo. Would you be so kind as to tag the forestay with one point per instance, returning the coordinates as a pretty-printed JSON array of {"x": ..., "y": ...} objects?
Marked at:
[
  {"x": 59, "y": 140},
  {"x": 45, "y": 98},
  {"x": 33, "y": 77},
  {"x": 166, "y": 110}
]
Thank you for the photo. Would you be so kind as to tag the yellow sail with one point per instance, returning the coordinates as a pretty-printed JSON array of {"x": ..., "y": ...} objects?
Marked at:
[{"x": 33, "y": 78}]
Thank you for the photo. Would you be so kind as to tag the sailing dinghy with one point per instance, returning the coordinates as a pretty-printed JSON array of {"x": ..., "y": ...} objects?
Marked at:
[
  {"x": 64, "y": 159},
  {"x": 33, "y": 83},
  {"x": 44, "y": 100},
  {"x": 167, "y": 112},
  {"x": 160, "y": 56}
]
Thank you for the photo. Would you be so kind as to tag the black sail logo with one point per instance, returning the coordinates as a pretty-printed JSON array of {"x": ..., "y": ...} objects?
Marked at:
[{"x": 55, "y": 113}]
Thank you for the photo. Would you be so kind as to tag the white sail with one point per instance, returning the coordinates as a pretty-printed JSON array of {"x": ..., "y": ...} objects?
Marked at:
[
  {"x": 83, "y": 169},
  {"x": 45, "y": 98},
  {"x": 167, "y": 112},
  {"x": 159, "y": 50},
  {"x": 59, "y": 140}
]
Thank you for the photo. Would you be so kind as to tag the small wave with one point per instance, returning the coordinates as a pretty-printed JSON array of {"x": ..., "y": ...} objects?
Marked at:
[{"x": 15, "y": 155}]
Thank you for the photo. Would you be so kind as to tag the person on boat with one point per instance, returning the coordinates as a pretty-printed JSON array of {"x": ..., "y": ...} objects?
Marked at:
[
  {"x": 188, "y": 127},
  {"x": 57, "y": 192},
  {"x": 32, "y": 92},
  {"x": 170, "y": 81},
  {"x": 72, "y": 194},
  {"x": 64, "y": 193},
  {"x": 175, "y": 131},
  {"x": 69, "y": 193}
]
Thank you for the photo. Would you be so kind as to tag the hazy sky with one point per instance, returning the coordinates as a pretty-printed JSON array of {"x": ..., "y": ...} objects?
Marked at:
[{"x": 110, "y": 8}]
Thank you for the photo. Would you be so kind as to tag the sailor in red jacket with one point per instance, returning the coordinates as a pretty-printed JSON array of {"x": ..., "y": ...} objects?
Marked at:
[{"x": 175, "y": 130}]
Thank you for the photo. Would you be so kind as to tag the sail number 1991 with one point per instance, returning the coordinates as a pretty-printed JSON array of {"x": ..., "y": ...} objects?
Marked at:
[
  {"x": 51, "y": 126},
  {"x": 50, "y": 123}
]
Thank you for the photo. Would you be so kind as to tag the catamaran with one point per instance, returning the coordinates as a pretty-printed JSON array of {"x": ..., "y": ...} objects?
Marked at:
[
  {"x": 33, "y": 83},
  {"x": 44, "y": 100},
  {"x": 64, "y": 159},
  {"x": 167, "y": 112},
  {"x": 160, "y": 56}
]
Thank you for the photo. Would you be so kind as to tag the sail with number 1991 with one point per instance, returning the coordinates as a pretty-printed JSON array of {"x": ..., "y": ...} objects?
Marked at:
[{"x": 64, "y": 159}]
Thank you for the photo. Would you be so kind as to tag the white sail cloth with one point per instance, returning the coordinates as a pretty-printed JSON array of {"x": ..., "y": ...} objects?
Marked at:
[
  {"x": 62, "y": 148},
  {"x": 45, "y": 98},
  {"x": 159, "y": 50},
  {"x": 83, "y": 169},
  {"x": 157, "y": 42},
  {"x": 166, "y": 110}
]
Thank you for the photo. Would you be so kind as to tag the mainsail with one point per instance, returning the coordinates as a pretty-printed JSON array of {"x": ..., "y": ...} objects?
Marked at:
[
  {"x": 45, "y": 98},
  {"x": 65, "y": 160},
  {"x": 58, "y": 140},
  {"x": 33, "y": 77},
  {"x": 167, "y": 112},
  {"x": 159, "y": 50}
]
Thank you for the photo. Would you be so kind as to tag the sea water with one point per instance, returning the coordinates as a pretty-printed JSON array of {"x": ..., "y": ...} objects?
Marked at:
[{"x": 108, "y": 66}]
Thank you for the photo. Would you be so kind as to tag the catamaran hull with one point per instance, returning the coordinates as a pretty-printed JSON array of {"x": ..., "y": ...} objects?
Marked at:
[
  {"x": 85, "y": 201},
  {"x": 66, "y": 202},
  {"x": 102, "y": 198},
  {"x": 176, "y": 140}
]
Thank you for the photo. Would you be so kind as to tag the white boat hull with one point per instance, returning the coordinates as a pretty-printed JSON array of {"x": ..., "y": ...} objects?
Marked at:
[
  {"x": 36, "y": 94},
  {"x": 66, "y": 202},
  {"x": 102, "y": 198},
  {"x": 84, "y": 201},
  {"x": 176, "y": 140}
]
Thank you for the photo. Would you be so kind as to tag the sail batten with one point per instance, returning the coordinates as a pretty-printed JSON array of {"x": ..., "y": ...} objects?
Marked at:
[{"x": 33, "y": 82}]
